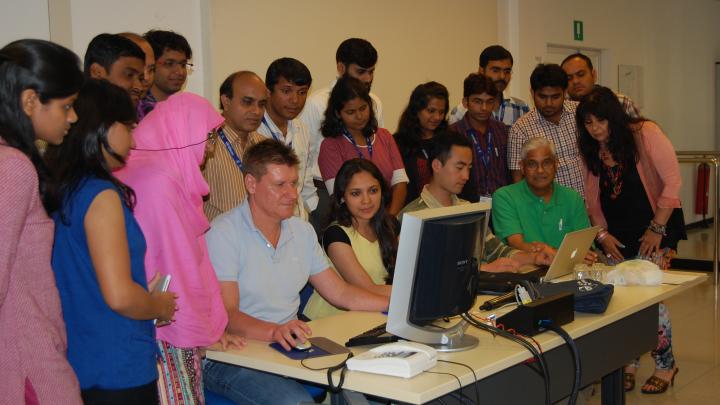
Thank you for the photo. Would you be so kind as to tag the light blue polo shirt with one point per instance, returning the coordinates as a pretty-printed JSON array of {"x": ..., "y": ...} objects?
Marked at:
[
  {"x": 515, "y": 209},
  {"x": 269, "y": 279}
]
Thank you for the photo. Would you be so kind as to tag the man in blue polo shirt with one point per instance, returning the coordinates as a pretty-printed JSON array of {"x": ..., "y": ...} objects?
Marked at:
[
  {"x": 536, "y": 212},
  {"x": 263, "y": 256}
]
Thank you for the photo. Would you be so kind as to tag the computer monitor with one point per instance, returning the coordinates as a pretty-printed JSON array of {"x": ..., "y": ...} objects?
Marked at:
[{"x": 435, "y": 274}]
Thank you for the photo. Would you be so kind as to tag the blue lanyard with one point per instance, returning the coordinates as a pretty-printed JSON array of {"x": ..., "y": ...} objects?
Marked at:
[
  {"x": 276, "y": 136},
  {"x": 229, "y": 148},
  {"x": 357, "y": 148},
  {"x": 484, "y": 155}
]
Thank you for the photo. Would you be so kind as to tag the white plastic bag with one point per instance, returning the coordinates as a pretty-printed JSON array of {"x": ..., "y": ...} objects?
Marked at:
[{"x": 635, "y": 272}]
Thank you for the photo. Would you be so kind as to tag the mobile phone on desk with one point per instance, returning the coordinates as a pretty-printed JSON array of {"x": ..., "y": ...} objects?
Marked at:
[{"x": 162, "y": 286}]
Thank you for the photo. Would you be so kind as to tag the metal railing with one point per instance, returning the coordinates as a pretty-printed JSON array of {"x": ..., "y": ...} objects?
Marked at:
[{"x": 712, "y": 158}]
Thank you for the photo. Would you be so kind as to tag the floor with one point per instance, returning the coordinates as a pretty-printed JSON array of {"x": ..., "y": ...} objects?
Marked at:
[{"x": 695, "y": 319}]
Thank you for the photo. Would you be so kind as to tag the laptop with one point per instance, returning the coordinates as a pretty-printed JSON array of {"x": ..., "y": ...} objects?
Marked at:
[{"x": 572, "y": 251}]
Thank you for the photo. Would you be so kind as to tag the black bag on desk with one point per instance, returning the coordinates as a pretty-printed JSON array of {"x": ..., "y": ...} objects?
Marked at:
[{"x": 590, "y": 296}]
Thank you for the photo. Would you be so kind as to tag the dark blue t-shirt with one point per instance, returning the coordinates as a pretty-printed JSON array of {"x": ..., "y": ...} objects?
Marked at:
[{"x": 107, "y": 350}]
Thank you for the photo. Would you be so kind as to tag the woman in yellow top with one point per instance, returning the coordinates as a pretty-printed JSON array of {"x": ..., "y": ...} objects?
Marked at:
[{"x": 362, "y": 241}]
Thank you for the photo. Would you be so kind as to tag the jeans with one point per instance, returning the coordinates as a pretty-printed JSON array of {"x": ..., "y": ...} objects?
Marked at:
[{"x": 246, "y": 386}]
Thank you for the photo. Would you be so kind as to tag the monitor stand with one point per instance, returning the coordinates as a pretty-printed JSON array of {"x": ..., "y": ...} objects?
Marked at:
[{"x": 454, "y": 339}]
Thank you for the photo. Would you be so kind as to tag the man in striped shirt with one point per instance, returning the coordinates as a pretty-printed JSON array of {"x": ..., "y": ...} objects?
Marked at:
[
  {"x": 451, "y": 159},
  {"x": 582, "y": 78},
  {"x": 243, "y": 97}
]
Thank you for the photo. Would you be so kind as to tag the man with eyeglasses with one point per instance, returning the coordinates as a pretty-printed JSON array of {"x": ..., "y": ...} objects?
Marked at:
[
  {"x": 172, "y": 52},
  {"x": 496, "y": 63},
  {"x": 535, "y": 213},
  {"x": 488, "y": 137}
]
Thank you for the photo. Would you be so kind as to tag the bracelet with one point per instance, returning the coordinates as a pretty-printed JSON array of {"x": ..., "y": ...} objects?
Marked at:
[
  {"x": 602, "y": 235},
  {"x": 657, "y": 228}
]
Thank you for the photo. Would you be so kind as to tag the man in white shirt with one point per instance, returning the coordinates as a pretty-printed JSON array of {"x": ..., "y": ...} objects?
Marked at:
[
  {"x": 356, "y": 58},
  {"x": 288, "y": 81}
]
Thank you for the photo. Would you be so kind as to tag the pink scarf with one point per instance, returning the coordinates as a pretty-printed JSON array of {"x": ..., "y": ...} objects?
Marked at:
[{"x": 169, "y": 188}]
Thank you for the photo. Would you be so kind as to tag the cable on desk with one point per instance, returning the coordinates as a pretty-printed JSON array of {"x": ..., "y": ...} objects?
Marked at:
[
  {"x": 462, "y": 396},
  {"x": 330, "y": 370},
  {"x": 475, "y": 380},
  {"x": 507, "y": 335},
  {"x": 573, "y": 353}
]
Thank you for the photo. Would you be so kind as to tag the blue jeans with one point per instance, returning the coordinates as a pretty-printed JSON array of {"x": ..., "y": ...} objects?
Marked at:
[{"x": 246, "y": 386}]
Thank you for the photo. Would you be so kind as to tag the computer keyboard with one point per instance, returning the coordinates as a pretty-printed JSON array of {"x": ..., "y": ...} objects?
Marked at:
[{"x": 375, "y": 336}]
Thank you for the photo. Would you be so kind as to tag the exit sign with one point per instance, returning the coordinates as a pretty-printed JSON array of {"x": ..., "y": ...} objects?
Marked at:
[{"x": 578, "y": 30}]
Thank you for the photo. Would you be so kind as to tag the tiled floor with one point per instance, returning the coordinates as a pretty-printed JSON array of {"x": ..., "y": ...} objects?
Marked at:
[{"x": 695, "y": 317}]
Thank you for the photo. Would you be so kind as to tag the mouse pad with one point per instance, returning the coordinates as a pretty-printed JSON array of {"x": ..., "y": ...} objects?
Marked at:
[{"x": 320, "y": 347}]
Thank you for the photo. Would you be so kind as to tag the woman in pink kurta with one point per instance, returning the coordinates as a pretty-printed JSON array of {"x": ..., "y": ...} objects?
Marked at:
[
  {"x": 164, "y": 172},
  {"x": 39, "y": 81}
]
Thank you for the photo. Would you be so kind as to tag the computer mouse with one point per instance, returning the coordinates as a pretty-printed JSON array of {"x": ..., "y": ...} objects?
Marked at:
[
  {"x": 300, "y": 346},
  {"x": 303, "y": 346}
]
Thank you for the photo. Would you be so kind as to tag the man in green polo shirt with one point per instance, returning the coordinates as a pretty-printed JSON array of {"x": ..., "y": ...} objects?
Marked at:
[
  {"x": 535, "y": 213},
  {"x": 450, "y": 161}
]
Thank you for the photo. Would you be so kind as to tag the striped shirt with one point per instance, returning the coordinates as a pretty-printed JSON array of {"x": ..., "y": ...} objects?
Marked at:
[
  {"x": 227, "y": 187},
  {"x": 570, "y": 172},
  {"x": 509, "y": 111},
  {"x": 628, "y": 105},
  {"x": 494, "y": 248}
]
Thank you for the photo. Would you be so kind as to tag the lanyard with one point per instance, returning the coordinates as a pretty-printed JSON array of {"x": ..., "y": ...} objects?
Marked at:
[
  {"x": 484, "y": 155},
  {"x": 230, "y": 149},
  {"x": 276, "y": 136},
  {"x": 357, "y": 148}
]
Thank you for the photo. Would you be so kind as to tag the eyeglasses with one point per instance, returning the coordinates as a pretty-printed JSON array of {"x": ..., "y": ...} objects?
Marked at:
[
  {"x": 172, "y": 64},
  {"x": 546, "y": 164}
]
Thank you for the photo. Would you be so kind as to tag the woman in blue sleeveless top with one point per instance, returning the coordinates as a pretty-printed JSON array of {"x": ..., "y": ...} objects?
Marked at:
[{"x": 98, "y": 255}]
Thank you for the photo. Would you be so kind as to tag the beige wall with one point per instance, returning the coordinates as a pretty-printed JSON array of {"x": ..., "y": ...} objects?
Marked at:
[
  {"x": 23, "y": 19},
  {"x": 417, "y": 41}
]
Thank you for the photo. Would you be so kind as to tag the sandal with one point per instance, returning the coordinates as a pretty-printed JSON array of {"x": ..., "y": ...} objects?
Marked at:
[
  {"x": 629, "y": 381},
  {"x": 656, "y": 385}
]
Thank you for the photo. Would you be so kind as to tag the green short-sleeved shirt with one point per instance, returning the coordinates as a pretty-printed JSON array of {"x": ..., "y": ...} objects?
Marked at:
[{"x": 516, "y": 210}]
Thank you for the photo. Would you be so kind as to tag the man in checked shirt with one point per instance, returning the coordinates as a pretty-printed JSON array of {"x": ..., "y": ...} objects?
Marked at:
[{"x": 553, "y": 118}]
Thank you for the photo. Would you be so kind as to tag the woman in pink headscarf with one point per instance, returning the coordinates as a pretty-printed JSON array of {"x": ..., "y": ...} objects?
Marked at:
[{"x": 164, "y": 171}]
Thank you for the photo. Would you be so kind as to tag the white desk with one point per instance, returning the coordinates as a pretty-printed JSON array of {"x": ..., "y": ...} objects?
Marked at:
[{"x": 627, "y": 329}]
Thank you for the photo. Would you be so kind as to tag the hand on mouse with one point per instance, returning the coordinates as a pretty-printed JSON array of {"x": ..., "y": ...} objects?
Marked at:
[{"x": 290, "y": 333}]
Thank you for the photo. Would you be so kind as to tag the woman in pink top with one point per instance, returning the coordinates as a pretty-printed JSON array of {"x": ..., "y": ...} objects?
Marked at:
[
  {"x": 632, "y": 191},
  {"x": 164, "y": 171},
  {"x": 351, "y": 131},
  {"x": 39, "y": 81}
]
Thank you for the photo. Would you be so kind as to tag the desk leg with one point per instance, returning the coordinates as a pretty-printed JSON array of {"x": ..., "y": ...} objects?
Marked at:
[{"x": 613, "y": 389}]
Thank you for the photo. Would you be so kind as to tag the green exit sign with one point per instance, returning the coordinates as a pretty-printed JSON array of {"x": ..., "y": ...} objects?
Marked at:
[{"x": 578, "y": 30}]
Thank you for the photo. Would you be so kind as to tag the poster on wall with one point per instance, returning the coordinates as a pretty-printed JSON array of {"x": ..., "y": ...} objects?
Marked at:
[{"x": 630, "y": 83}]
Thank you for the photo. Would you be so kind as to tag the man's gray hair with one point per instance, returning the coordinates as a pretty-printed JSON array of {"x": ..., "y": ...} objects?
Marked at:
[{"x": 537, "y": 142}]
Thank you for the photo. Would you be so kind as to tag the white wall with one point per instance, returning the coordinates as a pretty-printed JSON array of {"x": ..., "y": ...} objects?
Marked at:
[
  {"x": 675, "y": 42},
  {"x": 23, "y": 19},
  {"x": 417, "y": 41}
]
